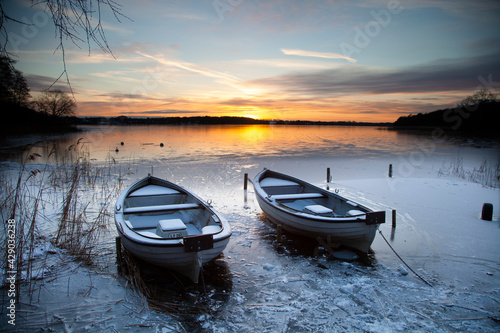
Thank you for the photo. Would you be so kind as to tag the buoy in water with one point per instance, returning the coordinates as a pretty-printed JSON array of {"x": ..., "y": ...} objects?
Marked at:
[
  {"x": 161, "y": 144},
  {"x": 487, "y": 213},
  {"x": 122, "y": 143}
]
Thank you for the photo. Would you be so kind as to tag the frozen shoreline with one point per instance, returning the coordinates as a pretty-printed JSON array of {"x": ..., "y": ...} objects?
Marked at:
[
  {"x": 277, "y": 286},
  {"x": 260, "y": 284}
]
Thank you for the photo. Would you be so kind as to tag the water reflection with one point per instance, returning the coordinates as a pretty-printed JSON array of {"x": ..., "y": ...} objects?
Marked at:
[
  {"x": 173, "y": 294},
  {"x": 229, "y": 142},
  {"x": 290, "y": 244}
]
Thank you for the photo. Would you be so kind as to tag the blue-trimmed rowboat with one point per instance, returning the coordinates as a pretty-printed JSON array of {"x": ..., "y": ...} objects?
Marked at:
[
  {"x": 166, "y": 225},
  {"x": 305, "y": 209}
]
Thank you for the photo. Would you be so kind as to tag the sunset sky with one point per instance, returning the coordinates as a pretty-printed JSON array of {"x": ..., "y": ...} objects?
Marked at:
[{"x": 337, "y": 60}]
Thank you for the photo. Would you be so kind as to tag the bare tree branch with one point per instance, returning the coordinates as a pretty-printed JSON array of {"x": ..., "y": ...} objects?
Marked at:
[{"x": 79, "y": 21}]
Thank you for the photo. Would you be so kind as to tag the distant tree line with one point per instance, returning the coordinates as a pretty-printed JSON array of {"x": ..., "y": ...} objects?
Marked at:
[
  {"x": 209, "y": 120},
  {"x": 479, "y": 113},
  {"x": 24, "y": 114}
]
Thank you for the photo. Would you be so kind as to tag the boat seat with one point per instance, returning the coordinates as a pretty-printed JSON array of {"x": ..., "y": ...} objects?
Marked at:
[
  {"x": 355, "y": 212},
  {"x": 210, "y": 229},
  {"x": 153, "y": 190},
  {"x": 268, "y": 182},
  {"x": 318, "y": 209},
  {"x": 159, "y": 208},
  {"x": 296, "y": 196},
  {"x": 172, "y": 228},
  {"x": 148, "y": 234}
]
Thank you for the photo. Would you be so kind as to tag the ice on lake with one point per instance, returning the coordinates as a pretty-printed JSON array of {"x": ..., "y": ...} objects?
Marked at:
[{"x": 264, "y": 284}]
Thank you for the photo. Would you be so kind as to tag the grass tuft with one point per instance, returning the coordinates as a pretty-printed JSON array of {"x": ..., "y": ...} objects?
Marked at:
[{"x": 487, "y": 173}]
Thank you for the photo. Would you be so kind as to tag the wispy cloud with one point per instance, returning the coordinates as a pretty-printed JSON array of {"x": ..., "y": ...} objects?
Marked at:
[
  {"x": 327, "y": 55},
  {"x": 223, "y": 77},
  {"x": 287, "y": 63}
]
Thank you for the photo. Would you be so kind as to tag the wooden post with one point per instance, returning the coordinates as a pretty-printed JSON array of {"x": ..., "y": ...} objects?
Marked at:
[
  {"x": 118, "y": 242},
  {"x": 245, "y": 182},
  {"x": 390, "y": 170},
  {"x": 487, "y": 212},
  {"x": 393, "y": 218},
  {"x": 328, "y": 177}
]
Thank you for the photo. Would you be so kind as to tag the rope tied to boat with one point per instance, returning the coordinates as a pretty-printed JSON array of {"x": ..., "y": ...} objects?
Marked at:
[{"x": 416, "y": 274}]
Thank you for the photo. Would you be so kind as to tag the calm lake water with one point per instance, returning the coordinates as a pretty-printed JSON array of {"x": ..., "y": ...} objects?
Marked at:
[
  {"x": 351, "y": 152},
  {"x": 257, "y": 276}
]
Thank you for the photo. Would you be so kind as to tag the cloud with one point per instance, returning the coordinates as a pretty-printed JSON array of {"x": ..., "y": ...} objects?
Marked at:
[
  {"x": 304, "y": 53},
  {"x": 438, "y": 76},
  {"x": 286, "y": 63},
  {"x": 38, "y": 83},
  {"x": 224, "y": 78},
  {"x": 162, "y": 112}
]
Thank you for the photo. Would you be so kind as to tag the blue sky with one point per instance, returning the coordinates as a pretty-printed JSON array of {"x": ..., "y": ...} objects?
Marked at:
[{"x": 316, "y": 60}]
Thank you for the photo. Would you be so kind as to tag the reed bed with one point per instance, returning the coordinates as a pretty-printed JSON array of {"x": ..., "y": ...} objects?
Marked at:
[
  {"x": 487, "y": 173},
  {"x": 65, "y": 197}
]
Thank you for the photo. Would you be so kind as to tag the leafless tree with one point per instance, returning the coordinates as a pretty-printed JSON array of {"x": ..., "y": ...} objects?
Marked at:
[
  {"x": 55, "y": 103},
  {"x": 79, "y": 21},
  {"x": 483, "y": 95}
]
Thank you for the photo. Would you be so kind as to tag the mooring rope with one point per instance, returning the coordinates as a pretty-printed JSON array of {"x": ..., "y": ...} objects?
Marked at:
[{"x": 421, "y": 278}]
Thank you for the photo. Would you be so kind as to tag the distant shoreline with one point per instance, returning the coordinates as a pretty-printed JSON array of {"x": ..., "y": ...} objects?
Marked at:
[{"x": 210, "y": 120}]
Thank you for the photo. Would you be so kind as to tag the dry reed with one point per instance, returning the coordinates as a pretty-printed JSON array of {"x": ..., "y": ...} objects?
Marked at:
[
  {"x": 487, "y": 174},
  {"x": 67, "y": 188}
]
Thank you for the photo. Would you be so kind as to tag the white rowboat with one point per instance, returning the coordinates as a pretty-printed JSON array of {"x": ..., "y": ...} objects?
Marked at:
[
  {"x": 305, "y": 209},
  {"x": 166, "y": 225}
]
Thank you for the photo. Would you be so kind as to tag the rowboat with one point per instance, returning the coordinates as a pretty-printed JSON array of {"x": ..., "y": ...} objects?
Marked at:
[
  {"x": 305, "y": 209},
  {"x": 166, "y": 225}
]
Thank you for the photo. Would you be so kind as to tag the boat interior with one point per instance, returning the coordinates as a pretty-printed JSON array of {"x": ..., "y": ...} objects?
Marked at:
[
  {"x": 160, "y": 212},
  {"x": 307, "y": 199}
]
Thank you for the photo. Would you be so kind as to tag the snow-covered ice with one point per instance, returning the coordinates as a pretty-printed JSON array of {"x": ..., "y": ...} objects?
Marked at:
[{"x": 264, "y": 284}]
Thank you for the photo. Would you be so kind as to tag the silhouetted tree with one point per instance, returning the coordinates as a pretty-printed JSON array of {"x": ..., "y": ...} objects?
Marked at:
[
  {"x": 483, "y": 95},
  {"x": 55, "y": 103},
  {"x": 14, "y": 89}
]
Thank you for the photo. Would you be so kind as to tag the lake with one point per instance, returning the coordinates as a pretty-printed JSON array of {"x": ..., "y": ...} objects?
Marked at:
[
  {"x": 261, "y": 283},
  {"x": 351, "y": 152}
]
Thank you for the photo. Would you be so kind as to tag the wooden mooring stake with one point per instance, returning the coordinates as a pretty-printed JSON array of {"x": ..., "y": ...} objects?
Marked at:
[
  {"x": 328, "y": 175},
  {"x": 245, "y": 182},
  {"x": 390, "y": 170},
  {"x": 118, "y": 242},
  {"x": 279, "y": 233},
  {"x": 393, "y": 218}
]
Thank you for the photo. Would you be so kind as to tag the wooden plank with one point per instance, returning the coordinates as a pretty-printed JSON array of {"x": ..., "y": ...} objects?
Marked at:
[
  {"x": 375, "y": 217},
  {"x": 198, "y": 243}
]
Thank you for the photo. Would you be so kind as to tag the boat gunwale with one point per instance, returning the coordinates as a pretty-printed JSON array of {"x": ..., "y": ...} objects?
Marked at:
[
  {"x": 301, "y": 214},
  {"x": 163, "y": 242}
]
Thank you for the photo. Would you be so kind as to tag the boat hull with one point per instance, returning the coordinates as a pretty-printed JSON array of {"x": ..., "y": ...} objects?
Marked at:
[
  {"x": 184, "y": 253},
  {"x": 174, "y": 257},
  {"x": 354, "y": 232}
]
